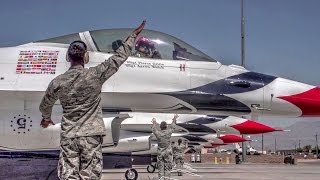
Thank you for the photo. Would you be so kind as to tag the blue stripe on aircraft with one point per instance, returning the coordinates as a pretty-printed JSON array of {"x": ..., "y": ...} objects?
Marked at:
[
  {"x": 211, "y": 96},
  {"x": 194, "y": 138},
  {"x": 240, "y": 83},
  {"x": 207, "y": 120},
  {"x": 196, "y": 128},
  {"x": 212, "y": 102}
]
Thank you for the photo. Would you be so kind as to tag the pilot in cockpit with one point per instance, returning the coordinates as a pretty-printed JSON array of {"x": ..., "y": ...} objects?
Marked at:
[{"x": 145, "y": 48}]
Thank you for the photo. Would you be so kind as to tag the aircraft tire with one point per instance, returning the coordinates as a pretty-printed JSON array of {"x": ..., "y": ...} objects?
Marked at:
[
  {"x": 131, "y": 174},
  {"x": 151, "y": 168}
]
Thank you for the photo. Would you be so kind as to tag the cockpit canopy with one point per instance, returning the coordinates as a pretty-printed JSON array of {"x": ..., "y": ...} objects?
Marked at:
[{"x": 149, "y": 44}]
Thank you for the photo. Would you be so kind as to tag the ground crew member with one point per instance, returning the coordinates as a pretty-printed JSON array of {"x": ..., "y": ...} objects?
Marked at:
[
  {"x": 82, "y": 126},
  {"x": 178, "y": 153},
  {"x": 164, "y": 154}
]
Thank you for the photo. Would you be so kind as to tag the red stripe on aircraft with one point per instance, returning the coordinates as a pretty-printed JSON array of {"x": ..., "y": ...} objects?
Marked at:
[
  {"x": 308, "y": 102},
  {"x": 252, "y": 127},
  {"x": 231, "y": 139}
]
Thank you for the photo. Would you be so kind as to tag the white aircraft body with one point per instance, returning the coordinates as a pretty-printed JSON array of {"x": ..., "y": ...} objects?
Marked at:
[
  {"x": 128, "y": 139},
  {"x": 48, "y": 139},
  {"x": 184, "y": 80},
  {"x": 208, "y": 139},
  {"x": 196, "y": 140},
  {"x": 131, "y": 132}
]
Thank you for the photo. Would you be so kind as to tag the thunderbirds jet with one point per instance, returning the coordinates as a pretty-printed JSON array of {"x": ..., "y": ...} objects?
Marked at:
[
  {"x": 193, "y": 123},
  {"x": 184, "y": 80},
  {"x": 134, "y": 133}
]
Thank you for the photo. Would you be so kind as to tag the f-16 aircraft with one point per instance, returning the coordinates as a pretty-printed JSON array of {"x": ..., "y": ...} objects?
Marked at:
[
  {"x": 184, "y": 80},
  {"x": 131, "y": 132},
  {"x": 209, "y": 139},
  {"x": 197, "y": 140},
  {"x": 193, "y": 123},
  {"x": 180, "y": 79}
]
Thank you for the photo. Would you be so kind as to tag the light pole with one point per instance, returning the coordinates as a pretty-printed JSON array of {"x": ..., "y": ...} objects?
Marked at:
[
  {"x": 275, "y": 144},
  {"x": 244, "y": 147},
  {"x": 262, "y": 143},
  {"x": 244, "y": 151},
  {"x": 242, "y": 35},
  {"x": 317, "y": 148}
]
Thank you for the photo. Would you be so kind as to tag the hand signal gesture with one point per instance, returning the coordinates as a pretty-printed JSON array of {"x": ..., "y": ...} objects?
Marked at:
[{"x": 138, "y": 30}]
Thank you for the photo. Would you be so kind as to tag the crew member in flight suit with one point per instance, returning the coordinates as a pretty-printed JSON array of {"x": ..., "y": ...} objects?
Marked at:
[
  {"x": 164, "y": 154},
  {"x": 82, "y": 126},
  {"x": 146, "y": 49}
]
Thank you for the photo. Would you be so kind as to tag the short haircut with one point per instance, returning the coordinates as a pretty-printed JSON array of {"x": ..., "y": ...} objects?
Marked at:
[
  {"x": 163, "y": 125},
  {"x": 77, "y": 50}
]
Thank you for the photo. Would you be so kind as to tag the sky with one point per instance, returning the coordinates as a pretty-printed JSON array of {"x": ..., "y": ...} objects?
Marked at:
[{"x": 282, "y": 36}]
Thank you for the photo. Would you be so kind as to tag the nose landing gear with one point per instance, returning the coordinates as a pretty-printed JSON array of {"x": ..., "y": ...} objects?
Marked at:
[{"x": 131, "y": 174}]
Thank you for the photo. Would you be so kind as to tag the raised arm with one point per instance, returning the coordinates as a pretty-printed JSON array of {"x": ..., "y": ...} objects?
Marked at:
[
  {"x": 110, "y": 66},
  {"x": 174, "y": 122},
  {"x": 155, "y": 127}
]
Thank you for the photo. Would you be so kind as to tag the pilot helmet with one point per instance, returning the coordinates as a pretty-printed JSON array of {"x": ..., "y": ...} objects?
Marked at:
[{"x": 145, "y": 46}]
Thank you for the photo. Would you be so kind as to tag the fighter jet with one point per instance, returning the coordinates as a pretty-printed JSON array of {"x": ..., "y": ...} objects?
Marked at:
[
  {"x": 134, "y": 133},
  {"x": 204, "y": 139},
  {"x": 198, "y": 140},
  {"x": 140, "y": 122},
  {"x": 183, "y": 80}
]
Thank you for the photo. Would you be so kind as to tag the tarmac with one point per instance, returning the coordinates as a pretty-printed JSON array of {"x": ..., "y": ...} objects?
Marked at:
[
  {"x": 307, "y": 170},
  {"x": 44, "y": 169}
]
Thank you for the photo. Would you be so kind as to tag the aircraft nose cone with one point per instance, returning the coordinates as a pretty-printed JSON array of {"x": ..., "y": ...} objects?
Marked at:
[
  {"x": 252, "y": 127},
  {"x": 231, "y": 139},
  {"x": 308, "y": 101}
]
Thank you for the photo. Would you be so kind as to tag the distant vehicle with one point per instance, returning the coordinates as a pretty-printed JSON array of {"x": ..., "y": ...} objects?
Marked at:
[
  {"x": 250, "y": 150},
  {"x": 223, "y": 150}
]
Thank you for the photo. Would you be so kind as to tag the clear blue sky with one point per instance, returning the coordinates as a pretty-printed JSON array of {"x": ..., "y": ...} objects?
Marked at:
[{"x": 282, "y": 36}]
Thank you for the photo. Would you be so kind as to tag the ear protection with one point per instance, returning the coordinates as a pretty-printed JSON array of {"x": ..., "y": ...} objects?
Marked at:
[
  {"x": 86, "y": 58},
  {"x": 86, "y": 55}
]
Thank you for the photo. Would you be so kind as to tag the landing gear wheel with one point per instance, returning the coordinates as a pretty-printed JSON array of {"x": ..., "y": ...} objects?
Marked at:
[
  {"x": 151, "y": 168},
  {"x": 131, "y": 174}
]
